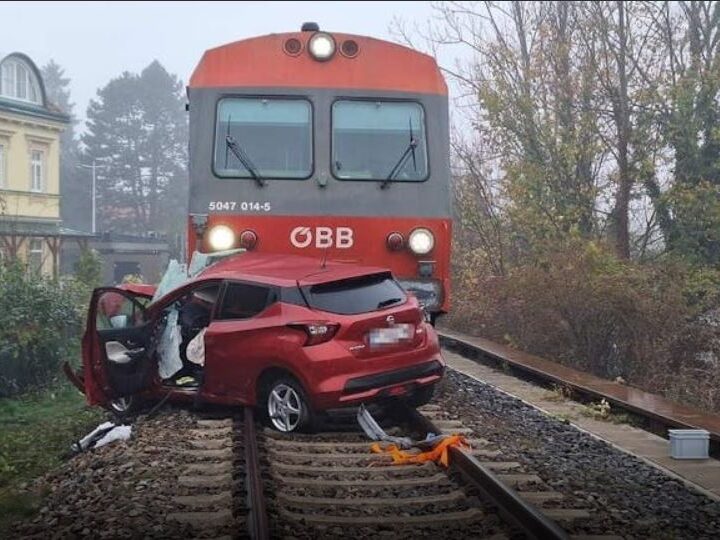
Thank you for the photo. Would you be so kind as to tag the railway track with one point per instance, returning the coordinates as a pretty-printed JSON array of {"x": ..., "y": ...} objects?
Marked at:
[
  {"x": 220, "y": 493},
  {"x": 205, "y": 479},
  {"x": 329, "y": 485},
  {"x": 656, "y": 413},
  {"x": 238, "y": 481}
]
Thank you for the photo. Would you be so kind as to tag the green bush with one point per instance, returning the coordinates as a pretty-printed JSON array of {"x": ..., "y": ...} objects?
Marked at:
[
  {"x": 40, "y": 321},
  {"x": 88, "y": 268},
  {"x": 576, "y": 303}
]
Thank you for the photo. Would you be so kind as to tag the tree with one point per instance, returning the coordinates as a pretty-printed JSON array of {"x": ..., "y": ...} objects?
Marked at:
[
  {"x": 688, "y": 111},
  {"x": 562, "y": 97},
  {"x": 532, "y": 167},
  {"x": 74, "y": 185},
  {"x": 137, "y": 131}
]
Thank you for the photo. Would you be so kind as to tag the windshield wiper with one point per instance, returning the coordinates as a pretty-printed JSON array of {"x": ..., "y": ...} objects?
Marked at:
[
  {"x": 409, "y": 151},
  {"x": 389, "y": 302},
  {"x": 239, "y": 153}
]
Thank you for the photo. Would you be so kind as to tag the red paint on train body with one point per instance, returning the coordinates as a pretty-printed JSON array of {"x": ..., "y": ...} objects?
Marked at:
[
  {"x": 352, "y": 239},
  {"x": 313, "y": 213}
]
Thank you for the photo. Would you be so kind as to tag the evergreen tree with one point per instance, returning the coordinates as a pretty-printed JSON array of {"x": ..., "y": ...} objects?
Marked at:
[
  {"x": 137, "y": 132},
  {"x": 74, "y": 183}
]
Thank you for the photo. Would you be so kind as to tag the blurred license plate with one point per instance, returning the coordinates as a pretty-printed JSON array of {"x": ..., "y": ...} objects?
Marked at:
[{"x": 392, "y": 335}]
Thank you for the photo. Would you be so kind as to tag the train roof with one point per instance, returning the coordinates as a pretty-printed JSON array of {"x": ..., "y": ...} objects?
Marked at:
[
  {"x": 284, "y": 270},
  {"x": 262, "y": 62}
]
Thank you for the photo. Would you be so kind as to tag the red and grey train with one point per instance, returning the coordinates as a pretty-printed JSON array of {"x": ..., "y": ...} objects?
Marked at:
[{"x": 324, "y": 144}]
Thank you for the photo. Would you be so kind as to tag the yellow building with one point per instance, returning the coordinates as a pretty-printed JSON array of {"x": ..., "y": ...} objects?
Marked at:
[{"x": 30, "y": 127}]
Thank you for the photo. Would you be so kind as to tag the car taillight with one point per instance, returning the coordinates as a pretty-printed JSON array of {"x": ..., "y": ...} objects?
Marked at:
[{"x": 316, "y": 332}]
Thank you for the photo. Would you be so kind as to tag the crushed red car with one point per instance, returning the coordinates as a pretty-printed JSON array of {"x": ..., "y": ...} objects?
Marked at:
[{"x": 293, "y": 336}]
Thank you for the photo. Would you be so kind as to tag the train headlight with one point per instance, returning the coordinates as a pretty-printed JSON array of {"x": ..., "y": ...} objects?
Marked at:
[
  {"x": 221, "y": 237},
  {"x": 421, "y": 241},
  {"x": 321, "y": 46}
]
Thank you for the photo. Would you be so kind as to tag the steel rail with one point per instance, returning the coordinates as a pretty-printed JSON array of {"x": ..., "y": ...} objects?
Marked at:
[
  {"x": 257, "y": 511},
  {"x": 525, "y": 516},
  {"x": 659, "y": 412}
]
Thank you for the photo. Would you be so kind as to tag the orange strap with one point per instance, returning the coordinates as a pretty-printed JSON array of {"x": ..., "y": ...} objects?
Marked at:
[{"x": 439, "y": 454}]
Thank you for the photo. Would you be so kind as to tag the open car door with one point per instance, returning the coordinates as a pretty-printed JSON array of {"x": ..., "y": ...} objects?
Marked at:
[{"x": 118, "y": 347}]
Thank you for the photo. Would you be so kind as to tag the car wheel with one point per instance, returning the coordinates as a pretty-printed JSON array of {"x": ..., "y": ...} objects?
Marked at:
[
  {"x": 421, "y": 396},
  {"x": 124, "y": 406},
  {"x": 287, "y": 408}
]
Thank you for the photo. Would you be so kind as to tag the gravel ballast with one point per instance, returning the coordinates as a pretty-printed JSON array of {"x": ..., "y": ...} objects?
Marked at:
[
  {"x": 122, "y": 490},
  {"x": 626, "y": 495}
]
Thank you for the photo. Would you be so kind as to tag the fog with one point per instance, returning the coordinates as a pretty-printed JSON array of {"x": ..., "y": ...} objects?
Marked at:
[{"x": 96, "y": 41}]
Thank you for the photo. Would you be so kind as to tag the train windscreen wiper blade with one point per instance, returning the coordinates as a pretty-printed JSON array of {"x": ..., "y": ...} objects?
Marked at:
[
  {"x": 236, "y": 149},
  {"x": 409, "y": 151}
]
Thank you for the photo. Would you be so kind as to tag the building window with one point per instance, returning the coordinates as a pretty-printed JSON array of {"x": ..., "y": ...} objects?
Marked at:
[
  {"x": 37, "y": 170},
  {"x": 35, "y": 254},
  {"x": 7, "y": 81},
  {"x": 18, "y": 81},
  {"x": 21, "y": 81},
  {"x": 3, "y": 159}
]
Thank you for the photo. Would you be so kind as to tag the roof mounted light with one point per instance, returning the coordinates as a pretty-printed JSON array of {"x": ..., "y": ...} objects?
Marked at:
[
  {"x": 321, "y": 46},
  {"x": 309, "y": 27}
]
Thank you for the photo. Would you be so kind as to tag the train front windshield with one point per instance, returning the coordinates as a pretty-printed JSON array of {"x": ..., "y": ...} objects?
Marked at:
[
  {"x": 264, "y": 137},
  {"x": 378, "y": 140}
]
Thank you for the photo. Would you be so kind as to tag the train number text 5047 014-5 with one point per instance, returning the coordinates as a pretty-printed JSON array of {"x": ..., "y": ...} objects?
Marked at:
[{"x": 242, "y": 206}]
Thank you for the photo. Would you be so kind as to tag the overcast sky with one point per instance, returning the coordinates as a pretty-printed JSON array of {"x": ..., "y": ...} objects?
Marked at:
[{"x": 96, "y": 41}]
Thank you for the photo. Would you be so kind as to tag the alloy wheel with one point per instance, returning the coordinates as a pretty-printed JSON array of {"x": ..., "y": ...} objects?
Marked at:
[
  {"x": 284, "y": 407},
  {"x": 121, "y": 405}
]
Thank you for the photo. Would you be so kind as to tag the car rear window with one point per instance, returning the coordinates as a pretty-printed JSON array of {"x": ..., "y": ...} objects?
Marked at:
[{"x": 357, "y": 295}]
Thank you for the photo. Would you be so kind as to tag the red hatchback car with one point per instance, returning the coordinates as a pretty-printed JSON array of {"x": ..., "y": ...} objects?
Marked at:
[{"x": 290, "y": 335}]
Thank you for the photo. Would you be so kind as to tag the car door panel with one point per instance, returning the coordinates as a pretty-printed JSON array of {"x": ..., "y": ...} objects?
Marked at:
[
  {"x": 128, "y": 362},
  {"x": 236, "y": 351},
  {"x": 116, "y": 317}
]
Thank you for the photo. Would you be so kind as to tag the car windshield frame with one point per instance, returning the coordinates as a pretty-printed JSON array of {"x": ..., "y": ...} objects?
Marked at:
[
  {"x": 241, "y": 172},
  {"x": 417, "y": 132}
]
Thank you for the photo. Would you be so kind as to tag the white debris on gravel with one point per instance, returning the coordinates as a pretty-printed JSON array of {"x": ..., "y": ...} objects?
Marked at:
[
  {"x": 105, "y": 433},
  {"x": 118, "y": 433}
]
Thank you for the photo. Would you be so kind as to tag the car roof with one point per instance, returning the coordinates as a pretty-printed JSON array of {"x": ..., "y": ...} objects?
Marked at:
[{"x": 284, "y": 270}]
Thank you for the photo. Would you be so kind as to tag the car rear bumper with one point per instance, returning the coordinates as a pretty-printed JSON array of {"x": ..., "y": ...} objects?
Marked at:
[
  {"x": 391, "y": 383},
  {"x": 389, "y": 378}
]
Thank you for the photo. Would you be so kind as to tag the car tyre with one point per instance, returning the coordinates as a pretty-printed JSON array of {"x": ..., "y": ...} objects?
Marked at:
[
  {"x": 421, "y": 396},
  {"x": 124, "y": 407},
  {"x": 286, "y": 407}
]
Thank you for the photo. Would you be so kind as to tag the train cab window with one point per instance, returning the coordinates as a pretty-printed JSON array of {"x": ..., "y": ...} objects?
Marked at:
[
  {"x": 379, "y": 140},
  {"x": 263, "y": 137},
  {"x": 243, "y": 300}
]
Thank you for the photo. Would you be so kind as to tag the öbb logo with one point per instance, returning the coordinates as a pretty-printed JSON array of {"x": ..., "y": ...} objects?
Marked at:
[{"x": 322, "y": 237}]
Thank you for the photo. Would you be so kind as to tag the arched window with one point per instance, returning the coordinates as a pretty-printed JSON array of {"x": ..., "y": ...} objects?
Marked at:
[{"x": 18, "y": 81}]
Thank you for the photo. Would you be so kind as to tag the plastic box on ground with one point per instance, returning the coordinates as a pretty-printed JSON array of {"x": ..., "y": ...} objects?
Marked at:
[{"x": 689, "y": 443}]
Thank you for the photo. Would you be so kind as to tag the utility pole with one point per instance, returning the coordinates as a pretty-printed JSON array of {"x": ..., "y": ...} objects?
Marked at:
[
  {"x": 94, "y": 183},
  {"x": 93, "y": 167}
]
